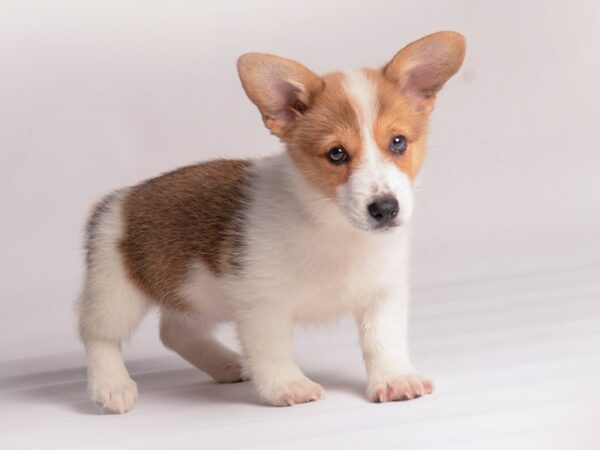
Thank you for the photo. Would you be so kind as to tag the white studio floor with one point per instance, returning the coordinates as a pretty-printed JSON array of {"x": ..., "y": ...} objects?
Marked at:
[{"x": 516, "y": 365}]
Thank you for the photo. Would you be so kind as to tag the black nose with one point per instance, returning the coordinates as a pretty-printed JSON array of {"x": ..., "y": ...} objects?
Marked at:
[{"x": 384, "y": 209}]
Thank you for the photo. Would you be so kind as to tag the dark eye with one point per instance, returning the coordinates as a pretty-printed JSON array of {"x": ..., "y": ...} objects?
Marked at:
[
  {"x": 398, "y": 144},
  {"x": 337, "y": 155}
]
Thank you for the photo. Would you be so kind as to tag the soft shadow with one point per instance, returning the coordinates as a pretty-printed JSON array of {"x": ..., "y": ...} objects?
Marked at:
[
  {"x": 209, "y": 392},
  {"x": 156, "y": 380},
  {"x": 336, "y": 381}
]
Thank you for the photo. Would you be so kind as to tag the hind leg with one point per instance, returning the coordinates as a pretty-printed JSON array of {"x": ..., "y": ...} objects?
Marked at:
[
  {"x": 192, "y": 338},
  {"x": 108, "y": 314}
]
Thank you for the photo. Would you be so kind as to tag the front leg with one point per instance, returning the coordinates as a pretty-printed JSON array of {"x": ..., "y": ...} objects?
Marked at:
[
  {"x": 266, "y": 337},
  {"x": 383, "y": 337}
]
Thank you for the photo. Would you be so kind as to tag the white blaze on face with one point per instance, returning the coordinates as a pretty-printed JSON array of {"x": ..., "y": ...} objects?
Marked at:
[{"x": 376, "y": 176}]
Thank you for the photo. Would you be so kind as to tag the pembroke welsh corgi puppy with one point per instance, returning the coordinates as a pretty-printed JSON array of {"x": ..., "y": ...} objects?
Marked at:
[{"x": 305, "y": 236}]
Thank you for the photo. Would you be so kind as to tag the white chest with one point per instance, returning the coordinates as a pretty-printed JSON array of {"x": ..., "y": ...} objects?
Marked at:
[
  {"x": 303, "y": 254},
  {"x": 321, "y": 277}
]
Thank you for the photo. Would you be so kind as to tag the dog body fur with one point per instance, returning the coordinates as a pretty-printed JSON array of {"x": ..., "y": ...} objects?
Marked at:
[{"x": 274, "y": 242}]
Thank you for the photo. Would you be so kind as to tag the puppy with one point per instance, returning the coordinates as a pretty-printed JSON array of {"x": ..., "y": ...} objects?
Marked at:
[{"x": 305, "y": 236}]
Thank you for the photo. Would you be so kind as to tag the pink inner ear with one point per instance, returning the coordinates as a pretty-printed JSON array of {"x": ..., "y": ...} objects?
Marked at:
[
  {"x": 423, "y": 81},
  {"x": 288, "y": 101}
]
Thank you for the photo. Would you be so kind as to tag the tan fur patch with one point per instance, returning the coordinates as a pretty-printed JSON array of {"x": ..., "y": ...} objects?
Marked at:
[
  {"x": 190, "y": 214},
  {"x": 398, "y": 115},
  {"x": 330, "y": 121}
]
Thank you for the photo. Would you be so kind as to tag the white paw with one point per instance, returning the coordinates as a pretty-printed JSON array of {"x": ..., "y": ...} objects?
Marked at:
[
  {"x": 293, "y": 393},
  {"x": 113, "y": 394},
  {"x": 401, "y": 387}
]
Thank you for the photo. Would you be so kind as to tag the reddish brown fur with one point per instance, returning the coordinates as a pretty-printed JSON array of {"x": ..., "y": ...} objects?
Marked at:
[
  {"x": 191, "y": 214},
  {"x": 398, "y": 115},
  {"x": 330, "y": 121}
]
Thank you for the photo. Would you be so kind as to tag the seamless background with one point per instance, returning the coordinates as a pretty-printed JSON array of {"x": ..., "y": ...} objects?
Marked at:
[{"x": 99, "y": 94}]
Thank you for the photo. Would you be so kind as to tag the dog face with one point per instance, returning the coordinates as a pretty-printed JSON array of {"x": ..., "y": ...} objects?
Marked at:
[{"x": 357, "y": 137}]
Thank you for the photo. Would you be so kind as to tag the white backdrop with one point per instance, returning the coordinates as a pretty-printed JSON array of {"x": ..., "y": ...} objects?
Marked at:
[{"x": 99, "y": 94}]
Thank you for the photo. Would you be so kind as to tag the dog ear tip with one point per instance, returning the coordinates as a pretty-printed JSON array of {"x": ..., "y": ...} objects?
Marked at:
[
  {"x": 245, "y": 60},
  {"x": 450, "y": 34},
  {"x": 250, "y": 59},
  {"x": 450, "y": 38},
  {"x": 458, "y": 40}
]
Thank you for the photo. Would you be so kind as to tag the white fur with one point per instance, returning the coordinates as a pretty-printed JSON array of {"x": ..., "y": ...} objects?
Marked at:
[
  {"x": 204, "y": 293},
  {"x": 376, "y": 176},
  {"x": 191, "y": 336}
]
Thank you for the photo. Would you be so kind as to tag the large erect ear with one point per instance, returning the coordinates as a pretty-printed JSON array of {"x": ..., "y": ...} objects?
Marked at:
[
  {"x": 281, "y": 88},
  {"x": 422, "y": 67}
]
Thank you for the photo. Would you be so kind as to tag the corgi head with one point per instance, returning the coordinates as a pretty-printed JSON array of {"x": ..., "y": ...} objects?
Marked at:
[{"x": 358, "y": 137}]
